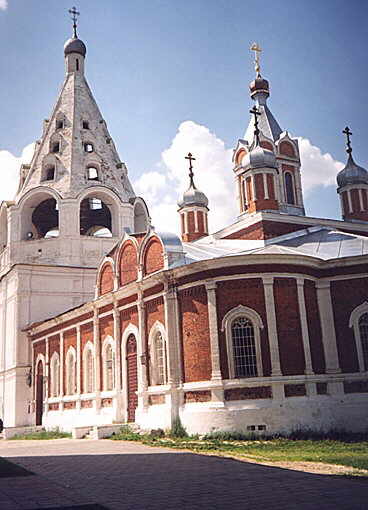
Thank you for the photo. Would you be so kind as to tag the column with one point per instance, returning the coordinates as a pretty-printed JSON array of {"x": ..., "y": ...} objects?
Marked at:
[
  {"x": 265, "y": 186},
  {"x": 349, "y": 201},
  {"x": 271, "y": 325},
  {"x": 61, "y": 385},
  {"x": 328, "y": 327},
  {"x": 47, "y": 374},
  {"x": 97, "y": 365},
  {"x": 118, "y": 403},
  {"x": 142, "y": 355},
  {"x": 78, "y": 366},
  {"x": 304, "y": 327},
  {"x": 214, "y": 336},
  {"x": 173, "y": 350}
]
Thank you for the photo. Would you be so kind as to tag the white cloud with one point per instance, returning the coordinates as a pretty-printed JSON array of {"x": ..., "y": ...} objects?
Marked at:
[
  {"x": 317, "y": 169},
  {"x": 9, "y": 168},
  {"x": 213, "y": 175},
  {"x": 3, "y": 4}
]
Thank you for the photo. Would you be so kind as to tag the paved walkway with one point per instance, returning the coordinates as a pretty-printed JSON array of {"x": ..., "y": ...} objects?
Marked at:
[{"x": 120, "y": 475}]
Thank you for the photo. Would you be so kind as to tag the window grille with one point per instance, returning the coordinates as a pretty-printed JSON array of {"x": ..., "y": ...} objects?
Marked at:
[
  {"x": 89, "y": 375},
  {"x": 160, "y": 359},
  {"x": 244, "y": 348},
  {"x": 109, "y": 369},
  {"x": 363, "y": 329},
  {"x": 55, "y": 376},
  {"x": 289, "y": 188},
  {"x": 70, "y": 373}
]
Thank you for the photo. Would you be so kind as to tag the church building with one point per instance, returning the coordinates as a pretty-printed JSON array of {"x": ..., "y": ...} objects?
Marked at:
[{"x": 261, "y": 326}]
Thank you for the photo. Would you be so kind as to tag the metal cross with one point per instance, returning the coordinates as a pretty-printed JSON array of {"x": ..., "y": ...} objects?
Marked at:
[
  {"x": 73, "y": 11},
  {"x": 257, "y": 50},
  {"x": 191, "y": 158},
  {"x": 347, "y": 132},
  {"x": 254, "y": 111}
]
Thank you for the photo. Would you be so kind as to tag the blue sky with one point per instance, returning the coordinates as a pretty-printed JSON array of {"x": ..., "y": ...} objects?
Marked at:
[{"x": 155, "y": 64}]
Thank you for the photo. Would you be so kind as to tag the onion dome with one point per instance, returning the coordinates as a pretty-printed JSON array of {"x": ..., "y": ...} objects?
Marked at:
[
  {"x": 192, "y": 196},
  {"x": 259, "y": 158},
  {"x": 75, "y": 45},
  {"x": 352, "y": 174},
  {"x": 259, "y": 85}
]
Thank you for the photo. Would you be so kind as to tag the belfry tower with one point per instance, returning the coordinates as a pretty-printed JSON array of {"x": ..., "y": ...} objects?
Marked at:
[
  {"x": 266, "y": 164},
  {"x": 73, "y": 203}
]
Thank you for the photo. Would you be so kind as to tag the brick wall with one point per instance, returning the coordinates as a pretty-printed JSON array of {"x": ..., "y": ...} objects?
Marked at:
[
  {"x": 128, "y": 264},
  {"x": 153, "y": 257},
  {"x": 247, "y": 292},
  {"x": 195, "y": 334},
  {"x": 106, "y": 279},
  {"x": 314, "y": 327},
  {"x": 155, "y": 311},
  {"x": 288, "y": 326},
  {"x": 347, "y": 295}
]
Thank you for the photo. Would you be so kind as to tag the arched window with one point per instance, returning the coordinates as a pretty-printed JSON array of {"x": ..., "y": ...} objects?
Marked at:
[
  {"x": 242, "y": 327},
  {"x": 71, "y": 380},
  {"x": 363, "y": 330},
  {"x": 108, "y": 367},
  {"x": 88, "y": 370},
  {"x": 244, "y": 348},
  {"x": 55, "y": 375},
  {"x": 289, "y": 188},
  {"x": 158, "y": 358}
]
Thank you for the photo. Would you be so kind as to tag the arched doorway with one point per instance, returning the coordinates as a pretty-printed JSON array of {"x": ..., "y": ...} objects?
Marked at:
[
  {"x": 132, "y": 376},
  {"x": 39, "y": 393}
]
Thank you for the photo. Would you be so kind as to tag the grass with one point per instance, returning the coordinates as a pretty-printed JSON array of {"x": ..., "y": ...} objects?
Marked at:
[
  {"x": 43, "y": 434},
  {"x": 334, "y": 448}
]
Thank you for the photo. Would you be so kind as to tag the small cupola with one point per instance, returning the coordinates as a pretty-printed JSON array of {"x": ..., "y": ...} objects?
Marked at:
[
  {"x": 352, "y": 182},
  {"x": 193, "y": 209},
  {"x": 74, "y": 49}
]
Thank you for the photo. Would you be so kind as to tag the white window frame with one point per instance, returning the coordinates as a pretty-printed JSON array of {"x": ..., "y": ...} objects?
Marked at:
[
  {"x": 157, "y": 327},
  {"x": 109, "y": 341},
  {"x": 355, "y": 316},
  {"x": 55, "y": 375},
  {"x": 71, "y": 377},
  {"x": 88, "y": 378},
  {"x": 227, "y": 321}
]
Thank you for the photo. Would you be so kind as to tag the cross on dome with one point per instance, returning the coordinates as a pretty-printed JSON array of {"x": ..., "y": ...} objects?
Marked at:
[
  {"x": 348, "y": 133},
  {"x": 191, "y": 158},
  {"x": 257, "y": 51},
  {"x": 254, "y": 111},
  {"x": 74, "y": 13}
]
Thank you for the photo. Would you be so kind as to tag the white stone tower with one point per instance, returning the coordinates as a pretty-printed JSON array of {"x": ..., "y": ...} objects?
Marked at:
[{"x": 73, "y": 204}]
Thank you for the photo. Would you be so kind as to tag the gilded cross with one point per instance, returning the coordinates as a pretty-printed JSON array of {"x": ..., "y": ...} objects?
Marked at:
[
  {"x": 254, "y": 111},
  {"x": 73, "y": 11},
  {"x": 348, "y": 133},
  {"x": 191, "y": 158},
  {"x": 257, "y": 51}
]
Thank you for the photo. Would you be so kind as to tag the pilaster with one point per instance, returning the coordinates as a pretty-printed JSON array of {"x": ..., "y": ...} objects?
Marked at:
[
  {"x": 97, "y": 364},
  {"x": 328, "y": 327},
  {"x": 272, "y": 325},
  {"x": 304, "y": 326}
]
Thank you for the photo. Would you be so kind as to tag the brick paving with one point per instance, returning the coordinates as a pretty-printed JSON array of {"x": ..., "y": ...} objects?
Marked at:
[{"x": 120, "y": 476}]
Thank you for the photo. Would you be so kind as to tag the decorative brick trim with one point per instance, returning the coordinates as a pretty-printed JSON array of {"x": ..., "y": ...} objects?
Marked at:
[
  {"x": 69, "y": 405},
  {"x": 106, "y": 402},
  {"x": 248, "y": 393},
  {"x": 356, "y": 387},
  {"x": 197, "y": 396},
  {"x": 295, "y": 390},
  {"x": 156, "y": 399},
  {"x": 321, "y": 388},
  {"x": 86, "y": 404}
]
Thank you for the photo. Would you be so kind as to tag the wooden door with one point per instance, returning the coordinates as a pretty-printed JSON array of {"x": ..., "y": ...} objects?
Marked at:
[
  {"x": 39, "y": 393},
  {"x": 132, "y": 376}
]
